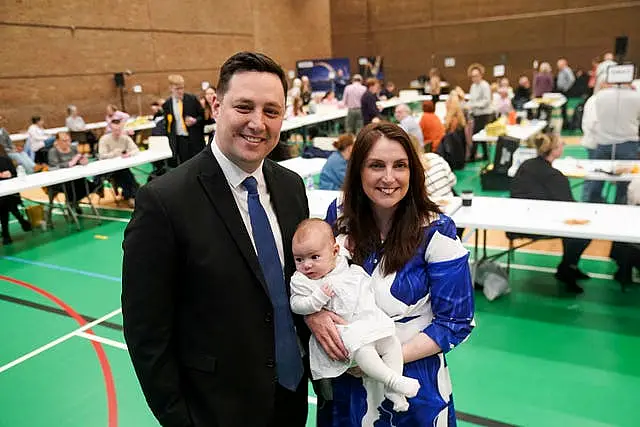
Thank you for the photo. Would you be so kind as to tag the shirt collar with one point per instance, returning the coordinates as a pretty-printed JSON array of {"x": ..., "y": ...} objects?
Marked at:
[{"x": 232, "y": 172}]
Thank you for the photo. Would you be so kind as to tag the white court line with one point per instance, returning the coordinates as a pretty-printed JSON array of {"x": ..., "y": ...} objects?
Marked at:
[
  {"x": 102, "y": 340},
  {"x": 104, "y": 218},
  {"x": 550, "y": 270},
  {"x": 59, "y": 340}
]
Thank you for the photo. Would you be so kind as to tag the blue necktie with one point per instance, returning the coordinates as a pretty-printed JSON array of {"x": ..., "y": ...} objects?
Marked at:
[{"x": 288, "y": 359}]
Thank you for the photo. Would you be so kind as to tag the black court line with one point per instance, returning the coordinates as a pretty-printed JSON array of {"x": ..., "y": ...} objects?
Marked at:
[
  {"x": 462, "y": 416},
  {"x": 48, "y": 309}
]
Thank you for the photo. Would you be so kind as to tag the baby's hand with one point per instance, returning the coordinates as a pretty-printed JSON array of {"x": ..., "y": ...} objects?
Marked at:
[{"x": 326, "y": 288}]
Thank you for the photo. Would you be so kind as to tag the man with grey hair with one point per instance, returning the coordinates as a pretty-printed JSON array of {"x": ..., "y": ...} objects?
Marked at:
[
  {"x": 409, "y": 123},
  {"x": 352, "y": 100}
]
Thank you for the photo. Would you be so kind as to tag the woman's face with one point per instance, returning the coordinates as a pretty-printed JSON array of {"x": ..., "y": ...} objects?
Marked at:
[
  {"x": 385, "y": 174},
  {"x": 209, "y": 95}
]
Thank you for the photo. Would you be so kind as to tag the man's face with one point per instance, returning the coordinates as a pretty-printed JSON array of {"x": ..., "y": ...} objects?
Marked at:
[
  {"x": 63, "y": 142},
  {"x": 400, "y": 113},
  {"x": 249, "y": 117},
  {"x": 476, "y": 76},
  {"x": 116, "y": 129},
  {"x": 177, "y": 91}
]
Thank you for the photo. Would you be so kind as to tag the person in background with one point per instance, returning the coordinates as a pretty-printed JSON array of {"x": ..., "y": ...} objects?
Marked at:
[
  {"x": 38, "y": 142},
  {"x": 333, "y": 171},
  {"x": 434, "y": 86},
  {"x": 65, "y": 155},
  {"x": 480, "y": 105},
  {"x": 564, "y": 82},
  {"x": 295, "y": 91},
  {"x": 352, "y": 100},
  {"x": 369, "y": 102},
  {"x": 305, "y": 90},
  {"x": 339, "y": 83},
  {"x": 295, "y": 109},
  {"x": 114, "y": 114},
  {"x": 504, "y": 83},
  {"x": 522, "y": 94},
  {"x": 16, "y": 154},
  {"x": 601, "y": 71},
  {"x": 388, "y": 91},
  {"x": 543, "y": 80},
  {"x": 329, "y": 98},
  {"x": 431, "y": 125},
  {"x": 118, "y": 144},
  {"x": 409, "y": 123},
  {"x": 185, "y": 120},
  {"x": 502, "y": 103},
  {"x": 9, "y": 203},
  {"x": 209, "y": 121},
  {"x": 75, "y": 123},
  {"x": 538, "y": 179},
  {"x": 617, "y": 120}
]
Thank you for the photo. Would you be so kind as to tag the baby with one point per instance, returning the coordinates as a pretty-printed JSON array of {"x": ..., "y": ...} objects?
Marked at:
[{"x": 324, "y": 280}]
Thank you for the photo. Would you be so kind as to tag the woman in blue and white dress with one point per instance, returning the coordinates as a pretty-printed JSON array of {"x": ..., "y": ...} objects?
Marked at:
[{"x": 421, "y": 279}]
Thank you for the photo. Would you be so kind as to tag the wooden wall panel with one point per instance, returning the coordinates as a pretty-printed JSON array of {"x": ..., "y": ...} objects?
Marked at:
[
  {"x": 512, "y": 33},
  {"x": 46, "y": 65},
  {"x": 88, "y": 13}
]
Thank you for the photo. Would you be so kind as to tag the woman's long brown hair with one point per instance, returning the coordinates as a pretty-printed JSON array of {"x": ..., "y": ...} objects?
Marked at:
[{"x": 412, "y": 214}]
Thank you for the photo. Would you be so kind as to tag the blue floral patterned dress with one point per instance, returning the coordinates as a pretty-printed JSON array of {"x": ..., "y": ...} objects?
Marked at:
[{"x": 432, "y": 294}]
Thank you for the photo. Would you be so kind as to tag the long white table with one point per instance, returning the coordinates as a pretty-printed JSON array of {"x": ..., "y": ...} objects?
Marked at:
[
  {"x": 520, "y": 132},
  {"x": 547, "y": 218},
  {"x": 131, "y": 125},
  {"x": 158, "y": 150},
  {"x": 595, "y": 170},
  {"x": 599, "y": 170},
  {"x": 555, "y": 100},
  {"x": 304, "y": 167}
]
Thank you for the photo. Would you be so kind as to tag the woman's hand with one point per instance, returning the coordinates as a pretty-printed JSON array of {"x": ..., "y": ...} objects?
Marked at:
[{"x": 323, "y": 327}]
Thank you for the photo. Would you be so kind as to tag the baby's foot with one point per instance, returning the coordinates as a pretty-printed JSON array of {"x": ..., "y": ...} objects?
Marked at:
[
  {"x": 406, "y": 386},
  {"x": 400, "y": 403}
]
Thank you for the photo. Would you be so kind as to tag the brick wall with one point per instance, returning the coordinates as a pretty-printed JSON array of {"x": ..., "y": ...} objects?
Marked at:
[
  {"x": 57, "y": 53},
  {"x": 415, "y": 35}
]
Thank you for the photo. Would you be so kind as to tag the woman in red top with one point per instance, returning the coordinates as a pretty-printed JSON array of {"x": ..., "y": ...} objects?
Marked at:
[{"x": 431, "y": 126}]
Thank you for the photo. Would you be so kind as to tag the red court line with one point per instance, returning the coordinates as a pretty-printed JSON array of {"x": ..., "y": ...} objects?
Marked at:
[{"x": 112, "y": 404}]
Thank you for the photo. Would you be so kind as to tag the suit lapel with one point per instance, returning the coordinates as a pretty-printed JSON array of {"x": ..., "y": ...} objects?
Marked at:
[
  {"x": 219, "y": 194},
  {"x": 284, "y": 213}
]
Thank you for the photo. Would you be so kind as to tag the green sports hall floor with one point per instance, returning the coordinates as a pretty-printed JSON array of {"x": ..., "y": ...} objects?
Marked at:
[{"x": 538, "y": 357}]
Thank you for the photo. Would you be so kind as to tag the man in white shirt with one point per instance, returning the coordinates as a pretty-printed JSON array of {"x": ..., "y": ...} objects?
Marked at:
[
  {"x": 617, "y": 112},
  {"x": 409, "y": 123}
]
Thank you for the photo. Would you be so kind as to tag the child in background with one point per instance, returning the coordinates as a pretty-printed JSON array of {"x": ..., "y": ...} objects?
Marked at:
[{"x": 325, "y": 280}]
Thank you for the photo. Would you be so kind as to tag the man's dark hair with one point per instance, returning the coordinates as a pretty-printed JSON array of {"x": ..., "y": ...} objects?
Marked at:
[
  {"x": 248, "y": 61},
  {"x": 35, "y": 119}
]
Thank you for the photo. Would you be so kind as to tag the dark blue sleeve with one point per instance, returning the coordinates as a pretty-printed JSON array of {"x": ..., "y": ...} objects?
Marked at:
[{"x": 451, "y": 291}]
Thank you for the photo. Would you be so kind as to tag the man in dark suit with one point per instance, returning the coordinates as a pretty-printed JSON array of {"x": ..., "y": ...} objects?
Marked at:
[
  {"x": 184, "y": 117},
  {"x": 207, "y": 262}
]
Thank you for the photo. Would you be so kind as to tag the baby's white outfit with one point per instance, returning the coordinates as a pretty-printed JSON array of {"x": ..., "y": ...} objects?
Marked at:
[{"x": 354, "y": 301}]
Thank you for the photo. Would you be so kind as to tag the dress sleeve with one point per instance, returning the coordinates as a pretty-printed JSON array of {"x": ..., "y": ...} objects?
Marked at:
[
  {"x": 450, "y": 286},
  {"x": 332, "y": 213}
]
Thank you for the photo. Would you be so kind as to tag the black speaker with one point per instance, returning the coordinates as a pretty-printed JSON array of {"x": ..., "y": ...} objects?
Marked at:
[
  {"x": 118, "y": 78},
  {"x": 621, "y": 46}
]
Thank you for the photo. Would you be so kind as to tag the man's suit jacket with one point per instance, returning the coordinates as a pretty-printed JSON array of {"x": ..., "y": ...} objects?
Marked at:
[
  {"x": 190, "y": 107},
  {"x": 198, "y": 320}
]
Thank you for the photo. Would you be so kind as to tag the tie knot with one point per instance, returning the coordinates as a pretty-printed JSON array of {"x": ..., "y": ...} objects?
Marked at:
[{"x": 251, "y": 185}]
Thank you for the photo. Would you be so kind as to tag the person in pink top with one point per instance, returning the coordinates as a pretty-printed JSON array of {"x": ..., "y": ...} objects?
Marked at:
[
  {"x": 114, "y": 114},
  {"x": 352, "y": 100}
]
